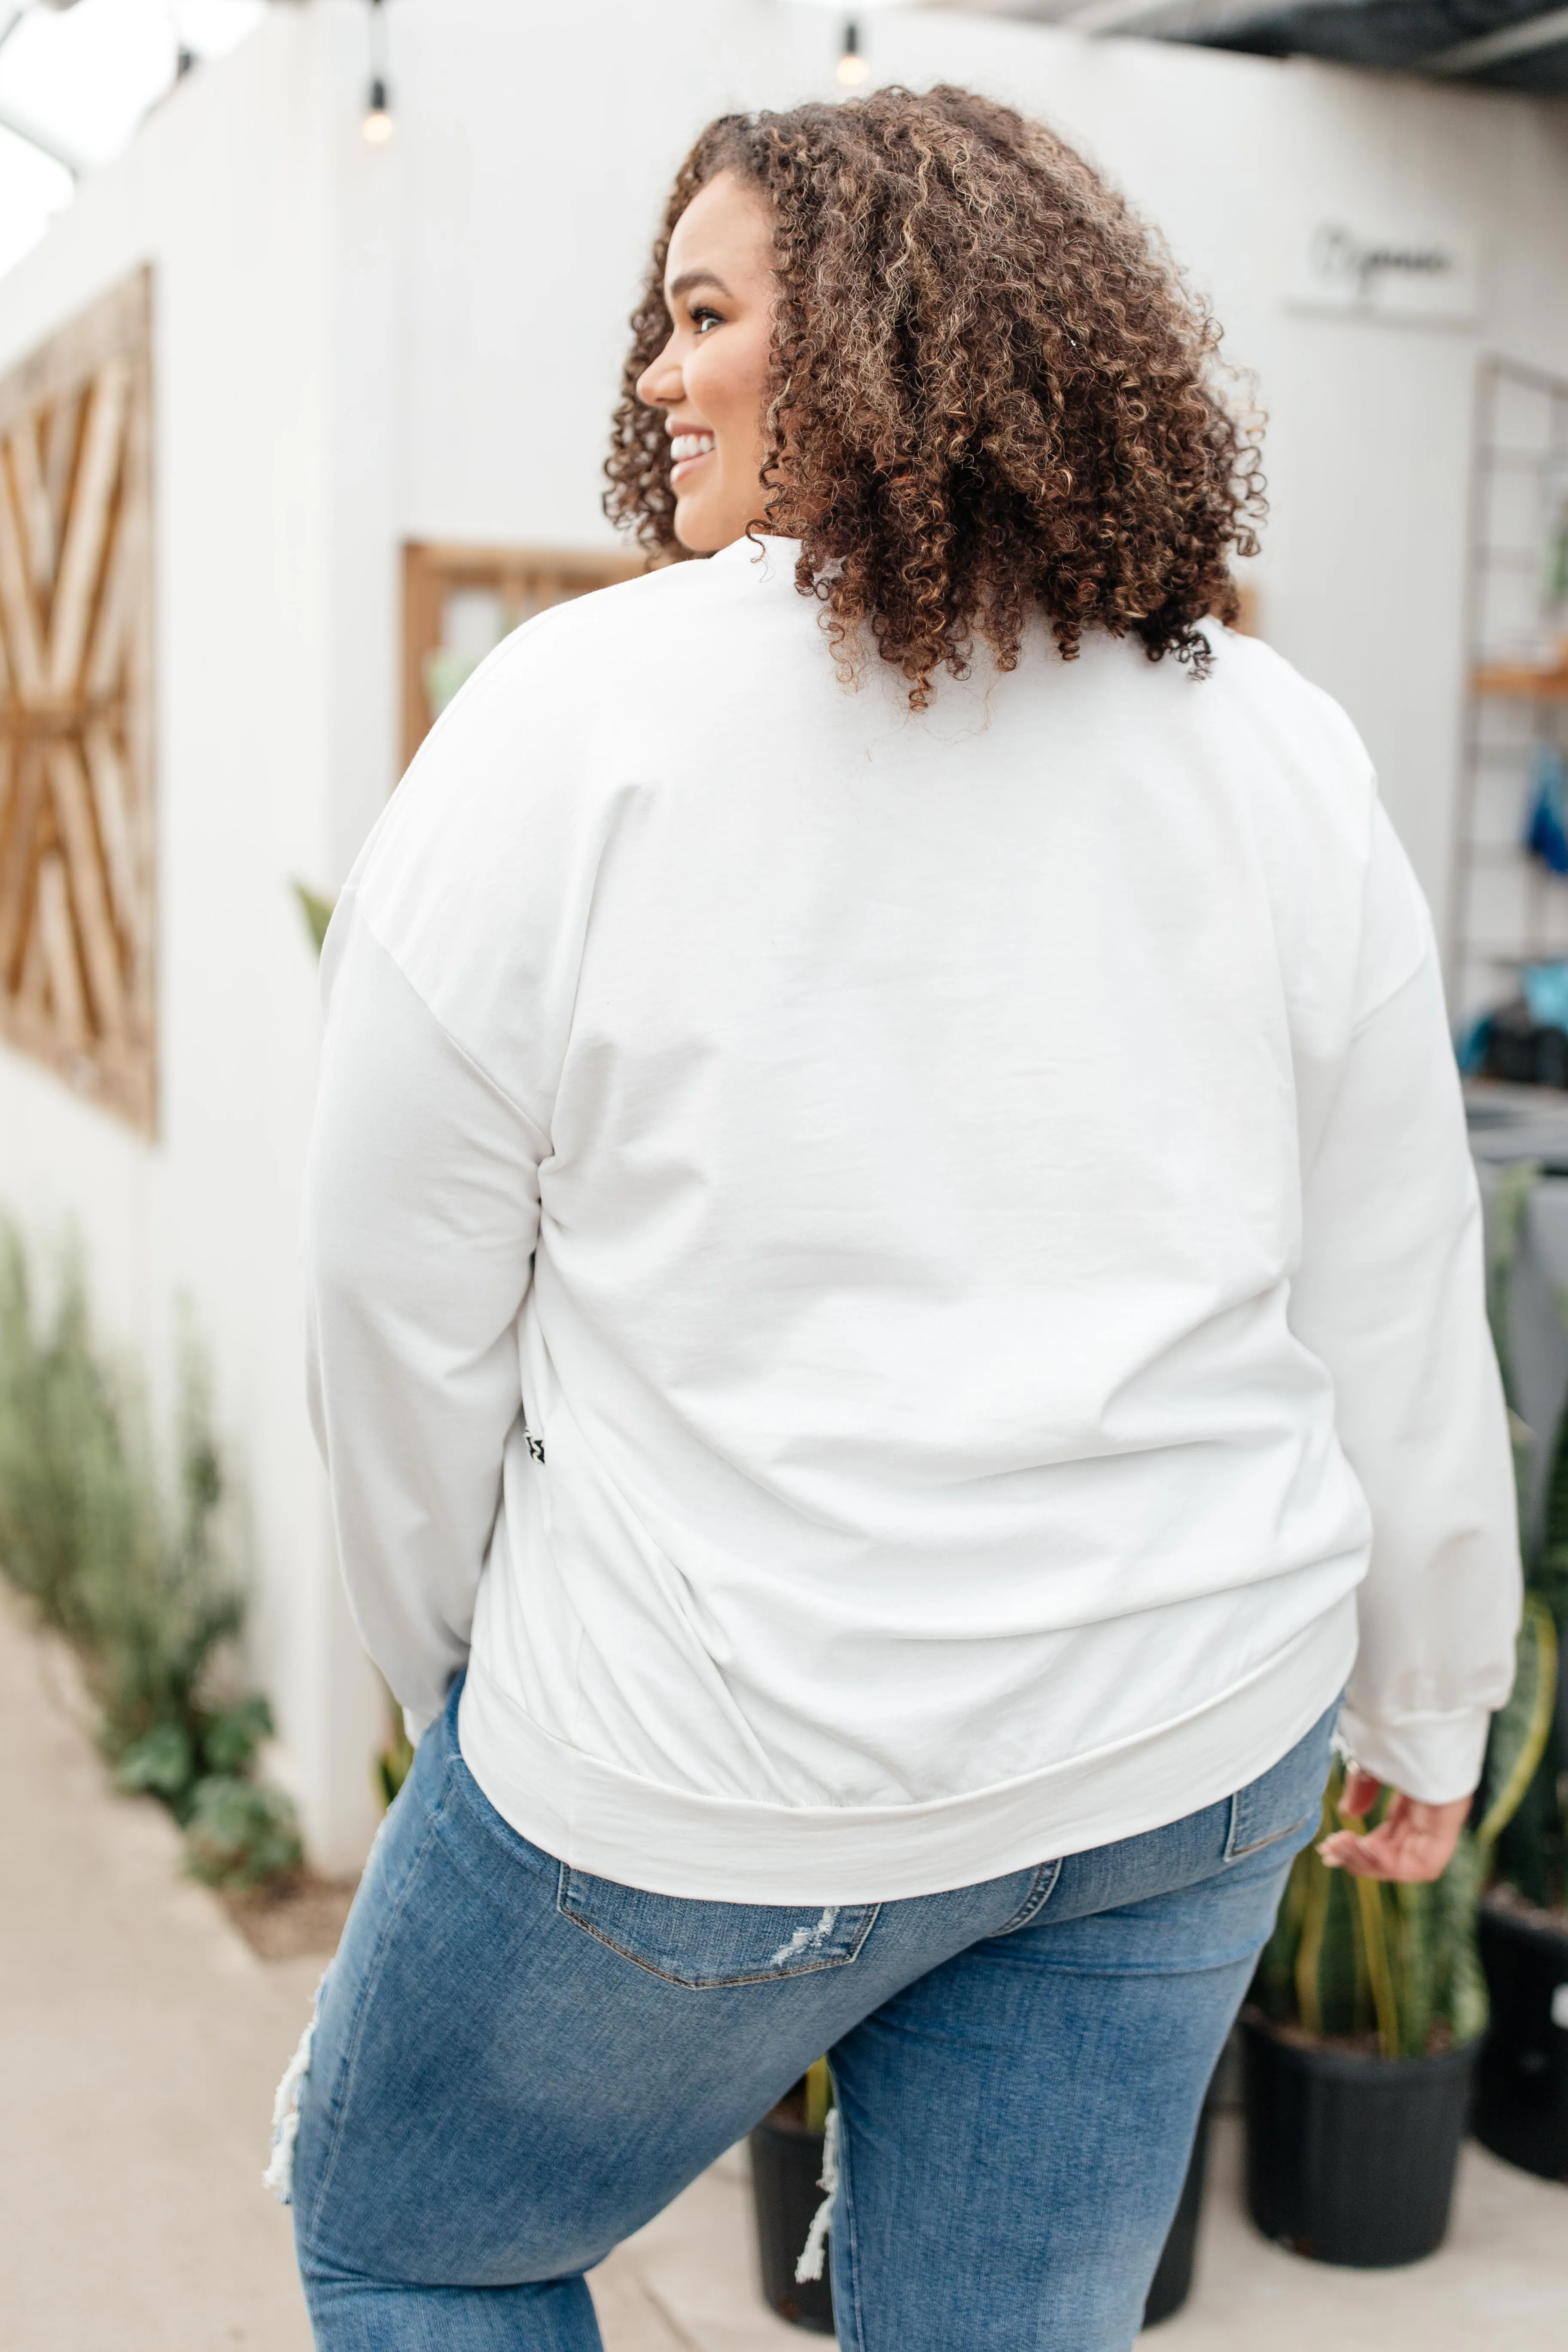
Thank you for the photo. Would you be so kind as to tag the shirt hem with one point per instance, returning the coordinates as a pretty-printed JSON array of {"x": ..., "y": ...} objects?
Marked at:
[{"x": 599, "y": 1817}]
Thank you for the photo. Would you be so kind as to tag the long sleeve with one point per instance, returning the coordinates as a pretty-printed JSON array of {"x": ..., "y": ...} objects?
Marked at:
[
  {"x": 422, "y": 1210},
  {"x": 1390, "y": 1296}
]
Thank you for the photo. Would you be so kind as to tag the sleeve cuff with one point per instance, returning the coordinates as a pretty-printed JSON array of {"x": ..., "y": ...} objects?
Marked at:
[{"x": 1436, "y": 1759}]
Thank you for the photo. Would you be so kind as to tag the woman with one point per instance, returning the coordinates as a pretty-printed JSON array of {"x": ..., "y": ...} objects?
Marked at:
[{"x": 895, "y": 1296}]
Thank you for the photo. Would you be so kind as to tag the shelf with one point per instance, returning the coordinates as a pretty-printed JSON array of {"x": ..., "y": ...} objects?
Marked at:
[{"x": 1522, "y": 682}]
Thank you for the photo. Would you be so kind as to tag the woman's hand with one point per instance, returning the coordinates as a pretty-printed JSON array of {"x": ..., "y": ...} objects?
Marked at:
[{"x": 1415, "y": 1842}]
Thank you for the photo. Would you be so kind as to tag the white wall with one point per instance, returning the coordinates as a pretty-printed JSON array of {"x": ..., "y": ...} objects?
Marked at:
[
  {"x": 224, "y": 191},
  {"x": 534, "y": 149},
  {"x": 358, "y": 346}
]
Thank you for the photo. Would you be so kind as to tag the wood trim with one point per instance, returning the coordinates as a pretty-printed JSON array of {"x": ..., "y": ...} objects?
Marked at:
[
  {"x": 527, "y": 579},
  {"x": 77, "y": 881},
  {"x": 1522, "y": 683}
]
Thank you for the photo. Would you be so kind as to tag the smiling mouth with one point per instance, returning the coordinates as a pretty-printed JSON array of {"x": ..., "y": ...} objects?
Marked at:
[{"x": 687, "y": 450}]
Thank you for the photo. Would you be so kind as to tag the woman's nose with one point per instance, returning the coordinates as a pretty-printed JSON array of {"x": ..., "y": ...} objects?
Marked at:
[{"x": 660, "y": 385}]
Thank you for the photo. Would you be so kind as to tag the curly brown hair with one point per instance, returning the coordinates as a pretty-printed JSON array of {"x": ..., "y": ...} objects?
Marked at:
[{"x": 989, "y": 389}]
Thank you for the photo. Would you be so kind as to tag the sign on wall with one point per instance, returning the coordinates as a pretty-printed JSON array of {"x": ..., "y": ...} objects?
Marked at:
[
  {"x": 1419, "y": 276},
  {"x": 77, "y": 883}
]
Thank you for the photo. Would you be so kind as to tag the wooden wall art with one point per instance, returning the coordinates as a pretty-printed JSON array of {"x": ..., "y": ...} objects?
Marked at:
[
  {"x": 460, "y": 602},
  {"x": 77, "y": 901}
]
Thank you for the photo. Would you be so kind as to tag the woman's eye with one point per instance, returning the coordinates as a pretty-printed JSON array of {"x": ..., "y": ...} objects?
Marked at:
[{"x": 703, "y": 319}]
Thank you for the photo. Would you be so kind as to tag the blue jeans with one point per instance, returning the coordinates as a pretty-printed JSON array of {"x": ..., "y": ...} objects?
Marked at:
[{"x": 517, "y": 2064}]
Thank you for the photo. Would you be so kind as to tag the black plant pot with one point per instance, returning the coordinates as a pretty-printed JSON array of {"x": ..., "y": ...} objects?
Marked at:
[
  {"x": 787, "y": 2166},
  {"x": 1174, "y": 2278},
  {"x": 1521, "y": 2081},
  {"x": 1350, "y": 2158}
]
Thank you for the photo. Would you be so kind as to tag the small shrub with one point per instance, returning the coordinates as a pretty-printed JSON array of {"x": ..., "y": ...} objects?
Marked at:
[
  {"x": 74, "y": 1506},
  {"x": 240, "y": 1832},
  {"x": 139, "y": 1584},
  {"x": 161, "y": 1763},
  {"x": 231, "y": 1737}
]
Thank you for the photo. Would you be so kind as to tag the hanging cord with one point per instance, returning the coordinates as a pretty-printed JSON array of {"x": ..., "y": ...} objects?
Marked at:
[{"x": 814, "y": 2253}]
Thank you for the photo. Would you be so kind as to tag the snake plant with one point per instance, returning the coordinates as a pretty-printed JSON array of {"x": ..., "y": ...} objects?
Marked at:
[
  {"x": 1351, "y": 1958},
  {"x": 1531, "y": 1836}
]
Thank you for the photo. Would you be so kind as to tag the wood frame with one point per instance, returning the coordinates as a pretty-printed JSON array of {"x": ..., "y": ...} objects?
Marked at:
[
  {"x": 528, "y": 580},
  {"x": 77, "y": 898}
]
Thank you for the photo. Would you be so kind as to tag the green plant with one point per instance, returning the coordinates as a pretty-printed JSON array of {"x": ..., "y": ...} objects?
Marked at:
[
  {"x": 1351, "y": 1958},
  {"x": 240, "y": 1832},
  {"x": 818, "y": 2094},
  {"x": 73, "y": 1503},
  {"x": 1532, "y": 1841},
  {"x": 317, "y": 910},
  {"x": 396, "y": 1761},
  {"x": 136, "y": 1581}
]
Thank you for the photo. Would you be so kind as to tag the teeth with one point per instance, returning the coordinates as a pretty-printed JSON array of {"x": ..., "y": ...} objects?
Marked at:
[{"x": 689, "y": 445}]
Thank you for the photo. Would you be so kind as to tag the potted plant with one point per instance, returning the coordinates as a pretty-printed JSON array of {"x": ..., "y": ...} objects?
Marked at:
[
  {"x": 1359, "y": 2047},
  {"x": 793, "y": 2169},
  {"x": 1522, "y": 2086},
  {"x": 1521, "y": 2081},
  {"x": 788, "y": 2164}
]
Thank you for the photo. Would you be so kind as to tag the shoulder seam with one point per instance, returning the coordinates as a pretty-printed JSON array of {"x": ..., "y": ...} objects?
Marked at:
[{"x": 485, "y": 1077}]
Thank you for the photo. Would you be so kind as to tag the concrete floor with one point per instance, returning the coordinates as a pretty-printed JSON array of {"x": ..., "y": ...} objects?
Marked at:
[{"x": 140, "y": 2038}]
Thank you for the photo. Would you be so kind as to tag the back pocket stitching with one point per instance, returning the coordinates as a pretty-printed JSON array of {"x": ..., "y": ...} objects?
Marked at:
[
  {"x": 1234, "y": 1852},
  {"x": 710, "y": 1984},
  {"x": 1043, "y": 1888}
]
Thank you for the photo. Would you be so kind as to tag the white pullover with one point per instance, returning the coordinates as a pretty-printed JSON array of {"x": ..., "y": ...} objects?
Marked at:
[{"x": 903, "y": 1292}]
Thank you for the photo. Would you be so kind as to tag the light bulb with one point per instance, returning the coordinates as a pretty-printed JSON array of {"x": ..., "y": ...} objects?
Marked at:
[
  {"x": 851, "y": 69},
  {"x": 377, "y": 123}
]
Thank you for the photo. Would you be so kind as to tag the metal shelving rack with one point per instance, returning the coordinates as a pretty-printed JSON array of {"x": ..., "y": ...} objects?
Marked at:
[{"x": 1506, "y": 909}]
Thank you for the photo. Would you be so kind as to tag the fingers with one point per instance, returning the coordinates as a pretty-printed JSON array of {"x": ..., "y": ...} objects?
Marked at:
[
  {"x": 1415, "y": 1844},
  {"x": 1374, "y": 1857},
  {"x": 1360, "y": 1793}
]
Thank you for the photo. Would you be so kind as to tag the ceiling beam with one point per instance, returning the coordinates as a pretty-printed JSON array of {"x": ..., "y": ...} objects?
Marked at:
[
  {"x": 1545, "y": 32},
  {"x": 1185, "y": 20},
  {"x": 1141, "y": 16},
  {"x": 1201, "y": 19},
  {"x": 1118, "y": 15}
]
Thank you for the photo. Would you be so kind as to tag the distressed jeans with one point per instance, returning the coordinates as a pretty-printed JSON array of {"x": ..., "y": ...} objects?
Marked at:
[{"x": 516, "y": 2064}]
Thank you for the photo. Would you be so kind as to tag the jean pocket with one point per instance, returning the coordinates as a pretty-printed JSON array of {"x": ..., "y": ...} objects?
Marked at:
[
  {"x": 1286, "y": 1800},
  {"x": 703, "y": 1945}
]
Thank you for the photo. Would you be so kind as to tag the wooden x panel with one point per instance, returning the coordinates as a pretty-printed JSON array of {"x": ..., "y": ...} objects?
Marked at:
[{"x": 77, "y": 898}]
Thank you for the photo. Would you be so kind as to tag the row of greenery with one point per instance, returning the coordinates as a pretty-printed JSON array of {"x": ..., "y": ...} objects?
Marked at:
[{"x": 137, "y": 1578}]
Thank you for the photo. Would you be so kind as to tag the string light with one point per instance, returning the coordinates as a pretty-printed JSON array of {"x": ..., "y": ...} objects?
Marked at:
[
  {"x": 377, "y": 123},
  {"x": 851, "y": 69}
]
